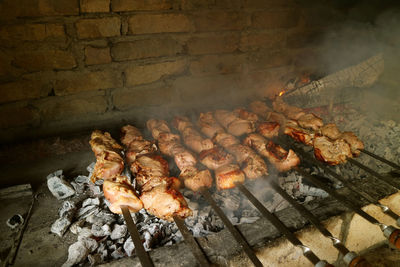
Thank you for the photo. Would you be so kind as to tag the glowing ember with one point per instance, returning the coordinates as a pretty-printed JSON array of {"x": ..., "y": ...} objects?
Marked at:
[{"x": 281, "y": 93}]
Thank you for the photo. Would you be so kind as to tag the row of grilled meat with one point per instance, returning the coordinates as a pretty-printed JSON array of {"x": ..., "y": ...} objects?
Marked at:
[
  {"x": 229, "y": 143},
  {"x": 330, "y": 144}
]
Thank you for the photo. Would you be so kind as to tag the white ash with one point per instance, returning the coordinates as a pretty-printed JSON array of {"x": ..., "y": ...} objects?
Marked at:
[
  {"x": 129, "y": 247},
  {"x": 91, "y": 201},
  {"x": 118, "y": 231},
  {"x": 58, "y": 186}
]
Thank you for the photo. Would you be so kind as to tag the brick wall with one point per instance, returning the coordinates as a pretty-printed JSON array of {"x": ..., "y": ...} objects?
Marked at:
[{"x": 71, "y": 65}]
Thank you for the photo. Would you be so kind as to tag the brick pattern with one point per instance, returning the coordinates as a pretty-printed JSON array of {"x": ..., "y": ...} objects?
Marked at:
[{"x": 128, "y": 53}]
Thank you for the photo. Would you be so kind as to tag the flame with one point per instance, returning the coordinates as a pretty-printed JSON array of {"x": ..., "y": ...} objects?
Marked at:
[{"x": 281, "y": 93}]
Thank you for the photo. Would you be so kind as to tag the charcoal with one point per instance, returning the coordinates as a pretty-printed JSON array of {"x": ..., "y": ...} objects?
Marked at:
[
  {"x": 248, "y": 219},
  {"x": 98, "y": 230},
  {"x": 79, "y": 188},
  {"x": 67, "y": 206},
  {"x": 90, "y": 168},
  {"x": 102, "y": 217},
  {"x": 60, "y": 226},
  {"x": 87, "y": 211},
  {"x": 84, "y": 232},
  {"x": 76, "y": 227},
  {"x": 95, "y": 190},
  {"x": 129, "y": 247},
  {"x": 81, "y": 179},
  {"x": 58, "y": 186},
  {"x": 95, "y": 259},
  {"x": 118, "y": 231},
  {"x": 91, "y": 202},
  {"x": 90, "y": 243},
  {"x": 117, "y": 254}
]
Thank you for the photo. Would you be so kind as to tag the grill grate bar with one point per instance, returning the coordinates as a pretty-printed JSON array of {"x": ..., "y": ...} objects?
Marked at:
[
  {"x": 191, "y": 242},
  {"x": 388, "y": 162},
  {"x": 133, "y": 231},
  {"x": 374, "y": 173},
  {"x": 279, "y": 225},
  {"x": 235, "y": 232}
]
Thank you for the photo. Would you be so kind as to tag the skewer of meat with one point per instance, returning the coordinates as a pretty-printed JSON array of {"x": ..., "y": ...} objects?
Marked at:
[
  {"x": 227, "y": 174},
  {"x": 282, "y": 160},
  {"x": 158, "y": 191},
  {"x": 252, "y": 165},
  {"x": 117, "y": 188},
  {"x": 192, "y": 177}
]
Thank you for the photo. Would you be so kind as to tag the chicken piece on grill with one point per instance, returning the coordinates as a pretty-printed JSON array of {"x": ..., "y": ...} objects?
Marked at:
[
  {"x": 310, "y": 121},
  {"x": 299, "y": 134},
  {"x": 228, "y": 175},
  {"x": 331, "y": 152},
  {"x": 147, "y": 167},
  {"x": 224, "y": 117},
  {"x": 181, "y": 123},
  {"x": 161, "y": 198},
  {"x": 251, "y": 163},
  {"x": 101, "y": 142},
  {"x": 208, "y": 125},
  {"x": 247, "y": 115},
  {"x": 331, "y": 131},
  {"x": 355, "y": 143},
  {"x": 268, "y": 129},
  {"x": 277, "y": 117},
  {"x": 156, "y": 127},
  {"x": 260, "y": 108},
  {"x": 169, "y": 143},
  {"x": 195, "y": 179},
  {"x": 185, "y": 159},
  {"x": 119, "y": 191},
  {"x": 290, "y": 112},
  {"x": 225, "y": 139},
  {"x": 109, "y": 164},
  {"x": 215, "y": 158},
  {"x": 137, "y": 148},
  {"x": 240, "y": 127},
  {"x": 282, "y": 160},
  {"x": 195, "y": 141},
  {"x": 130, "y": 134}
]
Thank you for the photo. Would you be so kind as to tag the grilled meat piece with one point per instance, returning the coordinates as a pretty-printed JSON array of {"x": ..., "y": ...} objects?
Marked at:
[
  {"x": 208, "y": 125},
  {"x": 169, "y": 143},
  {"x": 119, "y": 191},
  {"x": 101, "y": 142},
  {"x": 331, "y": 131},
  {"x": 268, "y": 129},
  {"x": 355, "y": 143},
  {"x": 108, "y": 165},
  {"x": 215, "y": 158},
  {"x": 251, "y": 163},
  {"x": 276, "y": 117},
  {"x": 185, "y": 159},
  {"x": 156, "y": 127},
  {"x": 247, "y": 115},
  {"x": 181, "y": 123},
  {"x": 147, "y": 167},
  {"x": 161, "y": 198},
  {"x": 260, "y": 108},
  {"x": 228, "y": 175},
  {"x": 282, "y": 160},
  {"x": 240, "y": 127},
  {"x": 195, "y": 179},
  {"x": 299, "y": 134},
  {"x": 137, "y": 148},
  {"x": 290, "y": 112},
  {"x": 331, "y": 152},
  {"x": 310, "y": 121},
  {"x": 224, "y": 117},
  {"x": 191, "y": 137},
  {"x": 224, "y": 139},
  {"x": 130, "y": 134}
]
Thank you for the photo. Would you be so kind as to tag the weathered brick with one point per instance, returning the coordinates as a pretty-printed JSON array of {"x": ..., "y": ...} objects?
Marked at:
[
  {"x": 303, "y": 39},
  {"x": 71, "y": 82},
  {"x": 143, "y": 96},
  {"x": 96, "y": 28},
  {"x": 90, "y": 6},
  {"x": 267, "y": 3},
  {"x": 213, "y": 44},
  {"x": 71, "y": 107},
  {"x": 18, "y": 114},
  {"x": 158, "y": 23},
  {"x": 257, "y": 40},
  {"x": 134, "y": 5},
  {"x": 37, "y": 8},
  {"x": 136, "y": 75},
  {"x": 145, "y": 48},
  {"x": 20, "y": 90},
  {"x": 45, "y": 60},
  {"x": 263, "y": 60},
  {"x": 209, "y": 89},
  {"x": 210, "y": 4},
  {"x": 219, "y": 21},
  {"x": 6, "y": 67},
  {"x": 32, "y": 32},
  {"x": 212, "y": 64},
  {"x": 275, "y": 19},
  {"x": 95, "y": 55}
]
